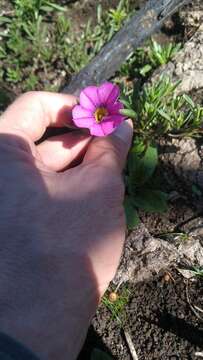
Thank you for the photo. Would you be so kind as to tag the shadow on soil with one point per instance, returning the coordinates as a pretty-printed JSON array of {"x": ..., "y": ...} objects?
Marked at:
[
  {"x": 93, "y": 341},
  {"x": 181, "y": 328}
]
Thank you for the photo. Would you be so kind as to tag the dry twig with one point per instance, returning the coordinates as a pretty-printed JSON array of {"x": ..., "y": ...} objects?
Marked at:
[
  {"x": 130, "y": 344},
  {"x": 199, "y": 354},
  {"x": 193, "y": 307}
]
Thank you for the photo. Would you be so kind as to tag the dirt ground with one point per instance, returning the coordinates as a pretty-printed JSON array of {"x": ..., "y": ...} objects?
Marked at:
[{"x": 159, "y": 318}]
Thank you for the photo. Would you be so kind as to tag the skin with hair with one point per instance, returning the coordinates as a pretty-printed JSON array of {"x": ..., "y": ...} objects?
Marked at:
[{"x": 62, "y": 228}]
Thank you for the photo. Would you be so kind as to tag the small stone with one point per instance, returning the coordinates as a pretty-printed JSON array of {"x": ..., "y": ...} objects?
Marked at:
[{"x": 113, "y": 296}]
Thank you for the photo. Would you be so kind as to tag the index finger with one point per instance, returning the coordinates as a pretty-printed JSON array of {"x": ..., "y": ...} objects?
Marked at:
[{"x": 34, "y": 111}]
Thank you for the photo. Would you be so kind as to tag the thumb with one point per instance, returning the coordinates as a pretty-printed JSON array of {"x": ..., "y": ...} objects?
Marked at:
[{"x": 111, "y": 151}]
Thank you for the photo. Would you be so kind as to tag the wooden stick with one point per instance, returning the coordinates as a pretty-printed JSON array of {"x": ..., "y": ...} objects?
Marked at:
[
  {"x": 141, "y": 26},
  {"x": 130, "y": 345}
]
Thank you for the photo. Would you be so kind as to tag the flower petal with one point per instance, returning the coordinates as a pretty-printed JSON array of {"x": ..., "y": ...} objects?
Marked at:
[
  {"x": 84, "y": 122},
  {"x": 108, "y": 127},
  {"x": 79, "y": 112},
  {"x": 113, "y": 109},
  {"x": 89, "y": 98},
  {"x": 82, "y": 117},
  {"x": 103, "y": 129},
  {"x": 96, "y": 130},
  {"x": 108, "y": 93}
]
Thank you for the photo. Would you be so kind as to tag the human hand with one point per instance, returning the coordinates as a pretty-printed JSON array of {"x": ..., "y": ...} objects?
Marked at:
[{"x": 62, "y": 229}]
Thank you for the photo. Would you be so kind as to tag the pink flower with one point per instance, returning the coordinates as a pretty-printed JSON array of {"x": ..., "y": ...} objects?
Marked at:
[{"x": 99, "y": 109}]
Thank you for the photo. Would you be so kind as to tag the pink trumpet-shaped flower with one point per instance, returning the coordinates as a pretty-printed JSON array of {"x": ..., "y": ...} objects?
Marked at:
[{"x": 99, "y": 109}]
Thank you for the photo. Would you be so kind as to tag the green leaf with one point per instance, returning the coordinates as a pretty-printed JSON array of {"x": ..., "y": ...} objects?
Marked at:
[
  {"x": 5, "y": 19},
  {"x": 156, "y": 46},
  {"x": 100, "y": 355},
  {"x": 164, "y": 115},
  {"x": 129, "y": 113},
  {"x": 125, "y": 102},
  {"x": 55, "y": 6},
  {"x": 132, "y": 218},
  {"x": 197, "y": 271},
  {"x": 138, "y": 146},
  {"x": 151, "y": 200},
  {"x": 142, "y": 167},
  {"x": 2, "y": 53},
  {"x": 145, "y": 69},
  {"x": 46, "y": 8},
  {"x": 188, "y": 100},
  {"x": 99, "y": 13}
]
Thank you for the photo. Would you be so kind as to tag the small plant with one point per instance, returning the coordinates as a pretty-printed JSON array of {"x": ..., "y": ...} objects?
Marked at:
[
  {"x": 26, "y": 45},
  {"x": 13, "y": 75},
  {"x": 197, "y": 271},
  {"x": 31, "y": 82},
  {"x": 157, "y": 55},
  {"x": 31, "y": 9},
  {"x": 117, "y": 307},
  {"x": 62, "y": 25},
  {"x": 158, "y": 111},
  {"x": 116, "y": 304},
  {"x": 146, "y": 59},
  {"x": 2, "y": 53},
  {"x": 36, "y": 41},
  {"x": 88, "y": 44},
  {"x": 141, "y": 190},
  {"x": 118, "y": 15},
  {"x": 161, "y": 54},
  {"x": 172, "y": 235},
  {"x": 134, "y": 63}
]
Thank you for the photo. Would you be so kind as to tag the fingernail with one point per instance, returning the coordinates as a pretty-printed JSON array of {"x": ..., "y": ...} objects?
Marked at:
[{"x": 125, "y": 131}]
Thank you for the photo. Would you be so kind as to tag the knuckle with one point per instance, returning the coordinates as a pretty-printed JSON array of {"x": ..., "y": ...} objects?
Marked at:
[
  {"x": 28, "y": 94},
  {"x": 31, "y": 96}
]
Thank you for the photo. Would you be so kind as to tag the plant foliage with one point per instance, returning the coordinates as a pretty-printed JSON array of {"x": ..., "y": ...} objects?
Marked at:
[
  {"x": 158, "y": 111},
  {"x": 117, "y": 308},
  {"x": 37, "y": 34}
]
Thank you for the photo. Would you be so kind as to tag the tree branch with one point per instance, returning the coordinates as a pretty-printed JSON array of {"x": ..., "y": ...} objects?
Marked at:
[{"x": 141, "y": 26}]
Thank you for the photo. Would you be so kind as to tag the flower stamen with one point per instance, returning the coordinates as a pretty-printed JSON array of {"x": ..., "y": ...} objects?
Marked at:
[{"x": 100, "y": 113}]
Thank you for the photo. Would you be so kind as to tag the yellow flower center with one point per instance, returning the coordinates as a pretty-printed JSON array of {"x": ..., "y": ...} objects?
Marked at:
[{"x": 100, "y": 113}]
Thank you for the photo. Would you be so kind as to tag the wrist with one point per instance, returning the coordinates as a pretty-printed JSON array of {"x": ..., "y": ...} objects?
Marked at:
[{"x": 50, "y": 325}]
